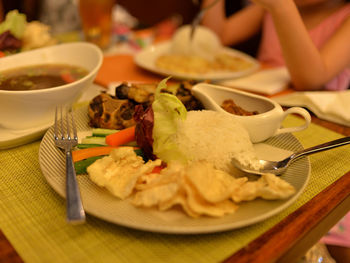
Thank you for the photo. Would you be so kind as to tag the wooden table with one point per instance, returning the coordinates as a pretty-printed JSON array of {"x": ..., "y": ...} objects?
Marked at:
[
  {"x": 294, "y": 235},
  {"x": 290, "y": 238},
  {"x": 287, "y": 240}
]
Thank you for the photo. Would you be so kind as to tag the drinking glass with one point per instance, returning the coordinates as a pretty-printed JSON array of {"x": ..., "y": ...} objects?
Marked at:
[{"x": 96, "y": 19}]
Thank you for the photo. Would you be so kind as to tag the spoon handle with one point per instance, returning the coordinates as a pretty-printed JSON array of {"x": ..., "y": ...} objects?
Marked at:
[
  {"x": 199, "y": 16},
  {"x": 323, "y": 147}
]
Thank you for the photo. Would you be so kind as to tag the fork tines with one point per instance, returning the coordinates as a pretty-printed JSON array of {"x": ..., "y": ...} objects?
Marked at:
[{"x": 63, "y": 127}]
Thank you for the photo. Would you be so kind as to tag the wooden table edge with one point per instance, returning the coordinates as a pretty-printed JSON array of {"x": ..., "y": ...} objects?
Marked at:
[
  {"x": 7, "y": 251},
  {"x": 274, "y": 245}
]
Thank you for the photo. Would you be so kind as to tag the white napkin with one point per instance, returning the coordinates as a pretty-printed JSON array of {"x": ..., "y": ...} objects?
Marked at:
[
  {"x": 268, "y": 81},
  {"x": 332, "y": 106}
]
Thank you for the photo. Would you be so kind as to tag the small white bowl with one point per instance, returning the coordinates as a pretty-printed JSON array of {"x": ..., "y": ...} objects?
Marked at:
[
  {"x": 261, "y": 126},
  {"x": 27, "y": 109}
]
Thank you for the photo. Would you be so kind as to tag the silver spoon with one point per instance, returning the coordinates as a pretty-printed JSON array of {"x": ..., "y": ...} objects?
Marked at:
[
  {"x": 279, "y": 167},
  {"x": 199, "y": 16}
]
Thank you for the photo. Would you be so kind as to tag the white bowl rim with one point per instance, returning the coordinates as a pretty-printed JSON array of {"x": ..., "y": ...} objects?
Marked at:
[
  {"x": 244, "y": 93},
  {"x": 65, "y": 86}
]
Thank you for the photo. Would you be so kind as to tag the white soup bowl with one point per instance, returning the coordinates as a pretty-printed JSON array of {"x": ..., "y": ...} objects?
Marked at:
[{"x": 26, "y": 109}]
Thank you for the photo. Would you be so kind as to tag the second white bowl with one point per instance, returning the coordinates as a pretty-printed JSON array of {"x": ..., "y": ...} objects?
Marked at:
[{"x": 261, "y": 126}]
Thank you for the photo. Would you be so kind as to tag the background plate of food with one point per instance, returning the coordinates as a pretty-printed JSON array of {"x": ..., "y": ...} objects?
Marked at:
[{"x": 202, "y": 58}]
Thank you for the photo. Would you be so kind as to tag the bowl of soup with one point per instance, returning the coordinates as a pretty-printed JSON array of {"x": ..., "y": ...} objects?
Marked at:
[{"x": 34, "y": 83}]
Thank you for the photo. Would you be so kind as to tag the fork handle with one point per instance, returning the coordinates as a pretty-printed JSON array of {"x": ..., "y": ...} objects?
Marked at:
[{"x": 75, "y": 211}]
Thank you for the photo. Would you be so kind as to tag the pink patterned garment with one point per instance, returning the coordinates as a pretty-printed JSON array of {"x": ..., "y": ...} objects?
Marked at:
[
  {"x": 270, "y": 49},
  {"x": 339, "y": 235}
]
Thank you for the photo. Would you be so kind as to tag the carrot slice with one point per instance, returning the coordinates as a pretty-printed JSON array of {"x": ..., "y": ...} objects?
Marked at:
[
  {"x": 82, "y": 154},
  {"x": 157, "y": 169},
  {"x": 67, "y": 77},
  {"x": 121, "y": 137}
]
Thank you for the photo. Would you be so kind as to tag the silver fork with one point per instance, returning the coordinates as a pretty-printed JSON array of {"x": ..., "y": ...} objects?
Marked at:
[{"x": 63, "y": 140}]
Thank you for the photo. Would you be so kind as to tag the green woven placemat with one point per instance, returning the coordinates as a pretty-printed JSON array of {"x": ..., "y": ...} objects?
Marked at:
[{"x": 33, "y": 216}]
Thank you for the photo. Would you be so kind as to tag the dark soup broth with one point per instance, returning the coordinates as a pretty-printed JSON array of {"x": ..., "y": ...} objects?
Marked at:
[{"x": 40, "y": 76}]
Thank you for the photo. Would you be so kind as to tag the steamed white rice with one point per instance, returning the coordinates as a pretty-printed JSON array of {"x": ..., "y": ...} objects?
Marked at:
[
  {"x": 205, "y": 43},
  {"x": 215, "y": 137}
]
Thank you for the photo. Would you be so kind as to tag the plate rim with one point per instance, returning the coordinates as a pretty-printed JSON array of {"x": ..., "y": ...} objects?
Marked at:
[
  {"x": 175, "y": 229},
  {"x": 20, "y": 137},
  {"x": 165, "y": 45}
]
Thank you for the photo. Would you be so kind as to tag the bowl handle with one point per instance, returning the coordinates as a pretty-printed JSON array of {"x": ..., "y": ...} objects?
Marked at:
[{"x": 295, "y": 110}]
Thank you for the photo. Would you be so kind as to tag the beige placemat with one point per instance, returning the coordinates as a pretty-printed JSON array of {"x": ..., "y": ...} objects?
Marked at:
[{"x": 32, "y": 215}]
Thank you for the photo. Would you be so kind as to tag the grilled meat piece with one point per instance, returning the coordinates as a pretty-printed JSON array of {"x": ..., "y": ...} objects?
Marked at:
[
  {"x": 116, "y": 112},
  {"x": 110, "y": 113},
  {"x": 144, "y": 94},
  {"x": 184, "y": 94},
  {"x": 139, "y": 93}
]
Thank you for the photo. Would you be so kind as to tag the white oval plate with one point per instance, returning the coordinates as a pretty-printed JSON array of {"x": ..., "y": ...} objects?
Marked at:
[
  {"x": 99, "y": 202},
  {"x": 146, "y": 59},
  {"x": 11, "y": 138}
]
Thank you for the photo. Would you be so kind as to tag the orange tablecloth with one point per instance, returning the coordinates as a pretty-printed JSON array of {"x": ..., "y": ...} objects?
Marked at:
[{"x": 123, "y": 68}]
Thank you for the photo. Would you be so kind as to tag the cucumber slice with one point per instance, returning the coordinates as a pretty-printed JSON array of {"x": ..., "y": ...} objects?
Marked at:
[
  {"x": 99, "y": 132},
  {"x": 80, "y": 166},
  {"x": 131, "y": 144},
  {"x": 140, "y": 153},
  {"x": 94, "y": 140},
  {"x": 85, "y": 146}
]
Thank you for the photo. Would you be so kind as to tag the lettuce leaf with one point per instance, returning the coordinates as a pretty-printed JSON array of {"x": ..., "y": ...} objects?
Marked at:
[
  {"x": 167, "y": 110},
  {"x": 15, "y": 23}
]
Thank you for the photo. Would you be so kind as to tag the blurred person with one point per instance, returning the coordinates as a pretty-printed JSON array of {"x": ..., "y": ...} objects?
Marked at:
[
  {"x": 338, "y": 240},
  {"x": 309, "y": 37},
  {"x": 251, "y": 45},
  {"x": 152, "y": 12}
]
